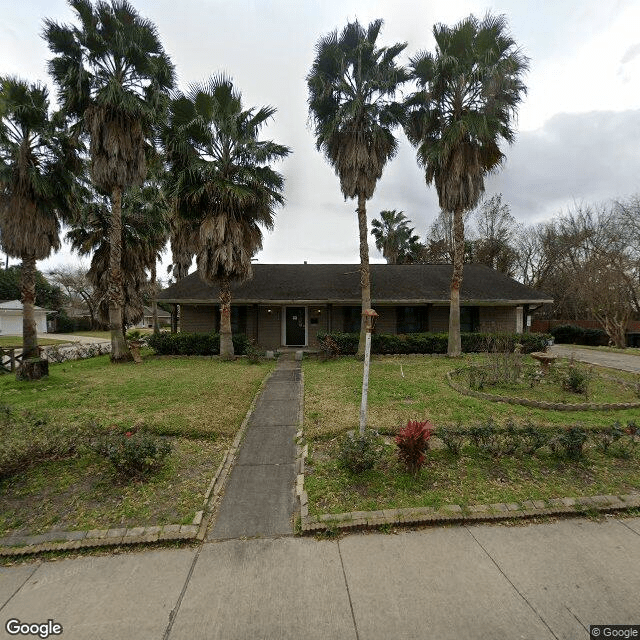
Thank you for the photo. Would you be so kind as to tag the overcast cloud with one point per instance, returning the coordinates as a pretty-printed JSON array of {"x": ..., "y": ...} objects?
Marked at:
[{"x": 578, "y": 127}]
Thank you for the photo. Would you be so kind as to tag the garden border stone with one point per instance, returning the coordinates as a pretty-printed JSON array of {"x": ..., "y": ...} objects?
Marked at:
[
  {"x": 461, "y": 514},
  {"x": 80, "y": 539}
]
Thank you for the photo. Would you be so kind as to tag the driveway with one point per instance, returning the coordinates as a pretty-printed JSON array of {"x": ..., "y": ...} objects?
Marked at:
[{"x": 622, "y": 361}]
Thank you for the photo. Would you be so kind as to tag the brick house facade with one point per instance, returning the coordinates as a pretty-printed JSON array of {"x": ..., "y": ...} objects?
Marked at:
[{"x": 287, "y": 305}]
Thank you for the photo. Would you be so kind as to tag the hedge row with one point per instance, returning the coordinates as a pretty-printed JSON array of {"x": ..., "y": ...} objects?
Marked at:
[
  {"x": 193, "y": 344},
  {"x": 572, "y": 334},
  {"x": 347, "y": 343}
]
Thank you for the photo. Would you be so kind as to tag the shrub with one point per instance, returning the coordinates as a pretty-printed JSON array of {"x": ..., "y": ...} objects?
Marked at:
[
  {"x": 193, "y": 344},
  {"x": 575, "y": 379},
  {"x": 253, "y": 352},
  {"x": 607, "y": 436},
  {"x": 452, "y": 437},
  {"x": 328, "y": 346},
  {"x": 359, "y": 452},
  {"x": 572, "y": 334},
  {"x": 570, "y": 442},
  {"x": 28, "y": 438},
  {"x": 413, "y": 441},
  {"x": 384, "y": 343},
  {"x": 133, "y": 453}
]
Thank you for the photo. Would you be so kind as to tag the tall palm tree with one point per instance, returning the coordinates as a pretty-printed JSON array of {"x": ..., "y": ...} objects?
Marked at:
[
  {"x": 395, "y": 238},
  {"x": 223, "y": 180},
  {"x": 37, "y": 164},
  {"x": 113, "y": 76},
  {"x": 351, "y": 85},
  {"x": 469, "y": 90}
]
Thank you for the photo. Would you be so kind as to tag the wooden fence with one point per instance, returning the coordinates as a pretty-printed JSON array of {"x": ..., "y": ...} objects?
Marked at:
[{"x": 11, "y": 358}]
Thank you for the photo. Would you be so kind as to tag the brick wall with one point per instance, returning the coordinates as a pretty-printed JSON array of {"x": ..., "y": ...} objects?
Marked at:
[
  {"x": 497, "y": 319},
  {"x": 199, "y": 318}
]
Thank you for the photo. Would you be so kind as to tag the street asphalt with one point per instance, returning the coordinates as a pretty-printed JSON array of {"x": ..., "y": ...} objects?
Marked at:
[{"x": 622, "y": 361}]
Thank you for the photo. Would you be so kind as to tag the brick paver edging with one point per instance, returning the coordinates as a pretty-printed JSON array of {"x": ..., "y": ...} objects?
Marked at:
[
  {"x": 525, "y": 402},
  {"x": 454, "y": 513},
  {"x": 76, "y": 540}
]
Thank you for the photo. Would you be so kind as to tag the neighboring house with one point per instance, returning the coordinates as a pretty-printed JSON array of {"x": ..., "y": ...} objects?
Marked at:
[
  {"x": 288, "y": 304},
  {"x": 11, "y": 318},
  {"x": 164, "y": 319}
]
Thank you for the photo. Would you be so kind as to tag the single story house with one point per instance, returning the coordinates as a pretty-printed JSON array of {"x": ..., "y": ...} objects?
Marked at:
[
  {"x": 286, "y": 305},
  {"x": 164, "y": 319},
  {"x": 11, "y": 314}
]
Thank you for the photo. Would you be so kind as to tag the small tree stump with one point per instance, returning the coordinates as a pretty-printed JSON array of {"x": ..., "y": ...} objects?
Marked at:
[{"x": 33, "y": 369}]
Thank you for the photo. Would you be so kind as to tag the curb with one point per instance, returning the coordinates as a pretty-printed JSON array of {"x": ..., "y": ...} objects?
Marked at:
[
  {"x": 457, "y": 514},
  {"x": 196, "y": 531}
]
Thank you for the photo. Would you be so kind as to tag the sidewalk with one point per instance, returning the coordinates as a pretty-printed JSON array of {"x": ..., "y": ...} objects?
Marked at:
[
  {"x": 259, "y": 496},
  {"x": 483, "y": 582}
]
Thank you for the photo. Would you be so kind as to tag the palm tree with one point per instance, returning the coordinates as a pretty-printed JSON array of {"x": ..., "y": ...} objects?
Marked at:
[
  {"x": 113, "y": 76},
  {"x": 37, "y": 164},
  {"x": 143, "y": 236},
  {"x": 352, "y": 84},
  {"x": 222, "y": 179},
  {"x": 468, "y": 94},
  {"x": 395, "y": 238}
]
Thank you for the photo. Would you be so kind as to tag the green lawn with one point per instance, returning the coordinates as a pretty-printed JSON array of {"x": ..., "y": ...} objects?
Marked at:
[
  {"x": 200, "y": 397},
  {"x": 198, "y": 403},
  {"x": 464, "y": 480},
  {"x": 16, "y": 341},
  {"x": 415, "y": 388}
]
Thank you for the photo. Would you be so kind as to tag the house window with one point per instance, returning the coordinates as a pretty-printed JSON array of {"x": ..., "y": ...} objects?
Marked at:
[
  {"x": 238, "y": 320},
  {"x": 411, "y": 319},
  {"x": 469, "y": 319},
  {"x": 351, "y": 319}
]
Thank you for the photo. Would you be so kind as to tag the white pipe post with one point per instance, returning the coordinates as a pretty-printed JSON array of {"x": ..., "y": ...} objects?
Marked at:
[{"x": 365, "y": 381}]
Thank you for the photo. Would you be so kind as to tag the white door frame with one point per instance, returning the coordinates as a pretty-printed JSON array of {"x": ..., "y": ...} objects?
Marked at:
[{"x": 284, "y": 324}]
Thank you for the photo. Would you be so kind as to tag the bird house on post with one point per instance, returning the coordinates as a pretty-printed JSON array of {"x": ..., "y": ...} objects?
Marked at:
[{"x": 370, "y": 317}]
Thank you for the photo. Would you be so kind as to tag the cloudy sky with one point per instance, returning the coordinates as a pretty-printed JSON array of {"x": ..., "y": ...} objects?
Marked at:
[{"x": 578, "y": 127}]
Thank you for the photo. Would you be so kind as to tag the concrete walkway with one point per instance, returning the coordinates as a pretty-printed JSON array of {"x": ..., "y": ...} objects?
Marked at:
[
  {"x": 533, "y": 582},
  {"x": 622, "y": 361},
  {"x": 259, "y": 496}
]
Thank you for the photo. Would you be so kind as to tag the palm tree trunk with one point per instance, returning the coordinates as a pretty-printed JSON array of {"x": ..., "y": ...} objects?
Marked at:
[
  {"x": 154, "y": 303},
  {"x": 226, "y": 339},
  {"x": 455, "y": 347},
  {"x": 365, "y": 281},
  {"x": 119, "y": 350},
  {"x": 29, "y": 328}
]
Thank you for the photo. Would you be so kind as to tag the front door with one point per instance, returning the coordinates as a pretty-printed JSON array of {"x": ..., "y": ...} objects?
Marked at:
[{"x": 295, "y": 326}]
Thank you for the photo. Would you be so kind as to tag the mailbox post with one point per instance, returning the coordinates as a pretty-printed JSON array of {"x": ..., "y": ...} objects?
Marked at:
[{"x": 369, "y": 322}]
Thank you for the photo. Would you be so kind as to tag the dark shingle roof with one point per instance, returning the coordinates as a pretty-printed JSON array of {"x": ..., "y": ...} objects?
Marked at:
[{"x": 340, "y": 283}]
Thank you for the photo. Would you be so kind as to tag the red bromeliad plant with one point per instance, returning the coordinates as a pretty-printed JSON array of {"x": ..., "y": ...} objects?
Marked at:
[{"x": 413, "y": 441}]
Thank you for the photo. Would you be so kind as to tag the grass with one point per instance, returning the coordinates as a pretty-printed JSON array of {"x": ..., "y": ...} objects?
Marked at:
[
  {"x": 16, "y": 341},
  {"x": 415, "y": 388},
  {"x": 201, "y": 402},
  {"x": 84, "y": 493},
  {"x": 199, "y": 397},
  {"x": 628, "y": 351},
  {"x": 468, "y": 479},
  {"x": 548, "y": 388}
]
